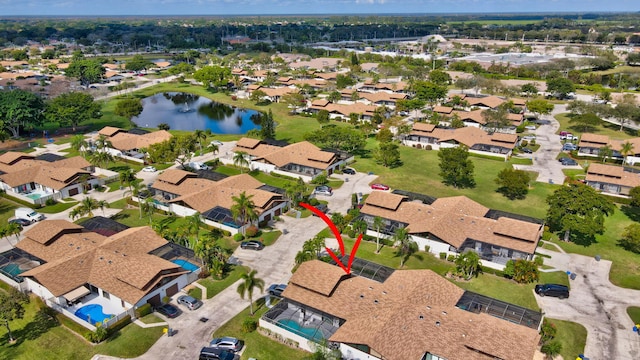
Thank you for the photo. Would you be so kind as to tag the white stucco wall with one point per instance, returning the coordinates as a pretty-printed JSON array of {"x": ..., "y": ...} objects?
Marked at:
[
  {"x": 181, "y": 281},
  {"x": 352, "y": 353},
  {"x": 302, "y": 342}
]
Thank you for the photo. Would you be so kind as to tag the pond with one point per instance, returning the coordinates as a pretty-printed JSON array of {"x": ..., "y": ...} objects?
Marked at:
[{"x": 184, "y": 111}]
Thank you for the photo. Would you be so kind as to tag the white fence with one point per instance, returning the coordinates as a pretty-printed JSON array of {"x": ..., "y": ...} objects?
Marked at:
[
  {"x": 108, "y": 323},
  {"x": 68, "y": 314}
]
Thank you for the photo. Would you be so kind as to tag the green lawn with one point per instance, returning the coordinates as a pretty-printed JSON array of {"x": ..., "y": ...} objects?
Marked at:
[
  {"x": 419, "y": 173},
  {"x": 215, "y": 286},
  {"x": 611, "y": 130},
  {"x": 58, "y": 207},
  {"x": 634, "y": 314},
  {"x": 7, "y": 208},
  {"x": 625, "y": 270},
  {"x": 267, "y": 237},
  {"x": 258, "y": 346},
  {"x": 572, "y": 336},
  {"x": 39, "y": 337},
  {"x": 487, "y": 284},
  {"x": 151, "y": 319}
]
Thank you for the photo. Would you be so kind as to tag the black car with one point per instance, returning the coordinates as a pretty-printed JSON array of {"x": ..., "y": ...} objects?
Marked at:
[
  {"x": 349, "y": 171},
  {"x": 526, "y": 150},
  {"x": 555, "y": 290},
  {"x": 21, "y": 222},
  {"x": 568, "y": 161},
  {"x": 209, "y": 353},
  {"x": 322, "y": 207},
  {"x": 252, "y": 244},
  {"x": 168, "y": 310}
]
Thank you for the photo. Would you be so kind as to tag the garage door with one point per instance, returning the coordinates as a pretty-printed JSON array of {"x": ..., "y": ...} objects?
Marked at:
[
  {"x": 74, "y": 191},
  {"x": 267, "y": 217},
  {"x": 172, "y": 290},
  {"x": 154, "y": 301}
]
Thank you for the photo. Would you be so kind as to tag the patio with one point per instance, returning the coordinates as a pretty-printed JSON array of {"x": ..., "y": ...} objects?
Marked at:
[{"x": 108, "y": 307}]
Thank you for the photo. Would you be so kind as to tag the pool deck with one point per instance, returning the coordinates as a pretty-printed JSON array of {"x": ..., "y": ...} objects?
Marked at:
[{"x": 312, "y": 321}]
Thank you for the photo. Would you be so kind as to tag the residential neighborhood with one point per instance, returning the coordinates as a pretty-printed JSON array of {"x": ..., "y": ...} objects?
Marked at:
[{"x": 227, "y": 188}]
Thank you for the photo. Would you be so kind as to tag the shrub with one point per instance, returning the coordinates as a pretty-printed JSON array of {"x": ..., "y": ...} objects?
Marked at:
[
  {"x": 313, "y": 202},
  {"x": 443, "y": 255},
  {"x": 538, "y": 260},
  {"x": 50, "y": 202},
  {"x": 251, "y": 231},
  {"x": 249, "y": 325},
  {"x": 548, "y": 331},
  {"x": 143, "y": 310},
  {"x": 98, "y": 335},
  {"x": 351, "y": 233},
  {"x": 533, "y": 142},
  {"x": 524, "y": 143},
  {"x": 428, "y": 147},
  {"x": 427, "y": 248},
  {"x": 451, "y": 258},
  {"x": 551, "y": 349},
  {"x": 166, "y": 299},
  {"x": 238, "y": 237},
  {"x": 204, "y": 273}
]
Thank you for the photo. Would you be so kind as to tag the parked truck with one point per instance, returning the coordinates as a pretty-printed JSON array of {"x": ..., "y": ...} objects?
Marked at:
[{"x": 28, "y": 214}]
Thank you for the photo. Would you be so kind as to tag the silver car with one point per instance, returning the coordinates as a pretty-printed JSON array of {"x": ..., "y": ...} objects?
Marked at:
[{"x": 190, "y": 302}]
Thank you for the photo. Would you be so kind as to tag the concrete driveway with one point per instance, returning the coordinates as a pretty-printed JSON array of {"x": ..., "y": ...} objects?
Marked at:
[
  {"x": 340, "y": 201},
  {"x": 596, "y": 304},
  {"x": 545, "y": 161}
]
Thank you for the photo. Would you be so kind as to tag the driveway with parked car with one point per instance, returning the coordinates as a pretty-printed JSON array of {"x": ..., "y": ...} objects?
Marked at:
[{"x": 595, "y": 303}]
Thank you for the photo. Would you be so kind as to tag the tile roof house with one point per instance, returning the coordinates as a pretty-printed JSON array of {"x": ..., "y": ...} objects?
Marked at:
[
  {"x": 28, "y": 179},
  {"x": 80, "y": 267},
  {"x": 455, "y": 224},
  {"x": 127, "y": 144},
  {"x": 611, "y": 179},
  {"x": 184, "y": 193},
  {"x": 590, "y": 145},
  {"x": 413, "y": 314},
  {"x": 477, "y": 140},
  {"x": 302, "y": 159},
  {"x": 343, "y": 111}
]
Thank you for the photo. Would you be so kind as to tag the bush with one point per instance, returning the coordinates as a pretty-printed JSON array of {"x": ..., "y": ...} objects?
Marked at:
[
  {"x": 50, "y": 202},
  {"x": 143, "y": 310},
  {"x": 443, "y": 255},
  {"x": 249, "y": 325},
  {"x": 428, "y": 147},
  {"x": 313, "y": 202},
  {"x": 427, "y": 248},
  {"x": 548, "y": 331},
  {"x": 351, "y": 233},
  {"x": 203, "y": 274},
  {"x": 119, "y": 325},
  {"x": 238, "y": 237},
  {"x": 520, "y": 129},
  {"x": 532, "y": 142},
  {"x": 166, "y": 299},
  {"x": 97, "y": 336},
  {"x": 524, "y": 143},
  {"x": 251, "y": 231},
  {"x": 551, "y": 349},
  {"x": 451, "y": 258}
]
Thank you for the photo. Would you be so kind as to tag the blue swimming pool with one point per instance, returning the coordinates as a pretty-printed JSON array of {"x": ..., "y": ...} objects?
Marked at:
[
  {"x": 186, "y": 265},
  {"x": 92, "y": 314},
  {"x": 12, "y": 269},
  {"x": 307, "y": 333}
]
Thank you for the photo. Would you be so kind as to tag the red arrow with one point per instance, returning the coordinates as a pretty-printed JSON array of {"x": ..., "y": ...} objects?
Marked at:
[{"x": 338, "y": 236}]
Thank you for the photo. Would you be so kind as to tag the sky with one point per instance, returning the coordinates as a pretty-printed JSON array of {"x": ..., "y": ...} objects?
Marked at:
[{"x": 272, "y": 7}]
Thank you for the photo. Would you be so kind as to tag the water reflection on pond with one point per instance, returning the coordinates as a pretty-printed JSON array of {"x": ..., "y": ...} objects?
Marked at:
[{"x": 184, "y": 111}]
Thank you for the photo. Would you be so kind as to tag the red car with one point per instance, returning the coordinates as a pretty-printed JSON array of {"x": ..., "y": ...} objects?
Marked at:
[{"x": 379, "y": 187}]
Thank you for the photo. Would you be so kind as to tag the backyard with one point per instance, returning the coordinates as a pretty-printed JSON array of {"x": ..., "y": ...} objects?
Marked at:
[
  {"x": 605, "y": 128},
  {"x": 41, "y": 337}
]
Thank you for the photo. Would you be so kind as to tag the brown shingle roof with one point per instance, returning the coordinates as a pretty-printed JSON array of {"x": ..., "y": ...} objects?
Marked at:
[
  {"x": 110, "y": 131},
  {"x": 385, "y": 200},
  {"x": 248, "y": 143},
  {"x": 411, "y": 313},
  {"x": 489, "y": 101},
  {"x": 455, "y": 219},
  {"x": 302, "y": 153},
  {"x": 126, "y": 141},
  {"x": 119, "y": 264},
  {"x": 175, "y": 176},
  {"x": 610, "y": 174},
  {"x": 11, "y": 157},
  {"x": 47, "y": 230}
]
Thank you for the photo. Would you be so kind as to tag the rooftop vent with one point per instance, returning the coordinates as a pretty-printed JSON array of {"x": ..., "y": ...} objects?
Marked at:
[
  {"x": 444, "y": 313},
  {"x": 428, "y": 307},
  {"x": 375, "y": 301},
  {"x": 361, "y": 296},
  {"x": 437, "y": 323},
  {"x": 421, "y": 317}
]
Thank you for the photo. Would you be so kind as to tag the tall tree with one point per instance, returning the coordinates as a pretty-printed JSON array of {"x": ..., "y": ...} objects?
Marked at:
[
  {"x": 456, "y": 168},
  {"x": 429, "y": 91},
  {"x": 128, "y": 108},
  {"x": 578, "y": 210},
  {"x": 195, "y": 223},
  {"x": 294, "y": 100},
  {"x": 12, "y": 308},
  {"x": 540, "y": 106},
  {"x": 404, "y": 244},
  {"x": 138, "y": 63},
  {"x": 560, "y": 87},
  {"x": 378, "y": 224},
  {"x": 240, "y": 160},
  {"x": 213, "y": 76},
  {"x": 323, "y": 116},
  {"x": 243, "y": 208},
  {"x": 268, "y": 126},
  {"x": 626, "y": 110},
  {"x": 72, "y": 108},
  {"x": 100, "y": 158},
  {"x": 248, "y": 284},
  {"x": 78, "y": 143},
  {"x": 20, "y": 109},
  {"x": 514, "y": 184},
  {"x": 626, "y": 150},
  {"x": 87, "y": 71},
  {"x": 387, "y": 154}
]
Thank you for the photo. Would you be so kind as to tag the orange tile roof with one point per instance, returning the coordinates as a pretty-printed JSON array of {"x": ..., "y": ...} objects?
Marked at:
[{"x": 411, "y": 313}]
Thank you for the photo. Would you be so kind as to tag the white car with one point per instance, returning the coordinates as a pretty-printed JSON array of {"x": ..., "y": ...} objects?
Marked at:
[
  {"x": 149, "y": 169},
  {"x": 216, "y": 142}
]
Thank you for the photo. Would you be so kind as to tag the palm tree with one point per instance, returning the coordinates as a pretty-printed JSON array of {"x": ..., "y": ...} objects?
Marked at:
[
  {"x": 135, "y": 190},
  {"x": 75, "y": 212},
  {"x": 13, "y": 229},
  {"x": 406, "y": 246},
  {"x": 213, "y": 148},
  {"x": 243, "y": 208},
  {"x": 194, "y": 223},
  {"x": 103, "y": 142},
  {"x": 199, "y": 135},
  {"x": 161, "y": 227},
  {"x": 249, "y": 282},
  {"x": 99, "y": 157},
  {"x": 87, "y": 205},
  {"x": 127, "y": 177},
  {"x": 627, "y": 148},
  {"x": 103, "y": 204},
  {"x": 605, "y": 152},
  {"x": 359, "y": 226},
  {"x": 377, "y": 224},
  {"x": 78, "y": 143},
  {"x": 240, "y": 160},
  {"x": 468, "y": 264}
]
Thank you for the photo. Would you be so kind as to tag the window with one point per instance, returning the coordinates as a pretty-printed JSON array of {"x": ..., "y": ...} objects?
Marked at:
[
  {"x": 105, "y": 295},
  {"x": 429, "y": 356}
]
